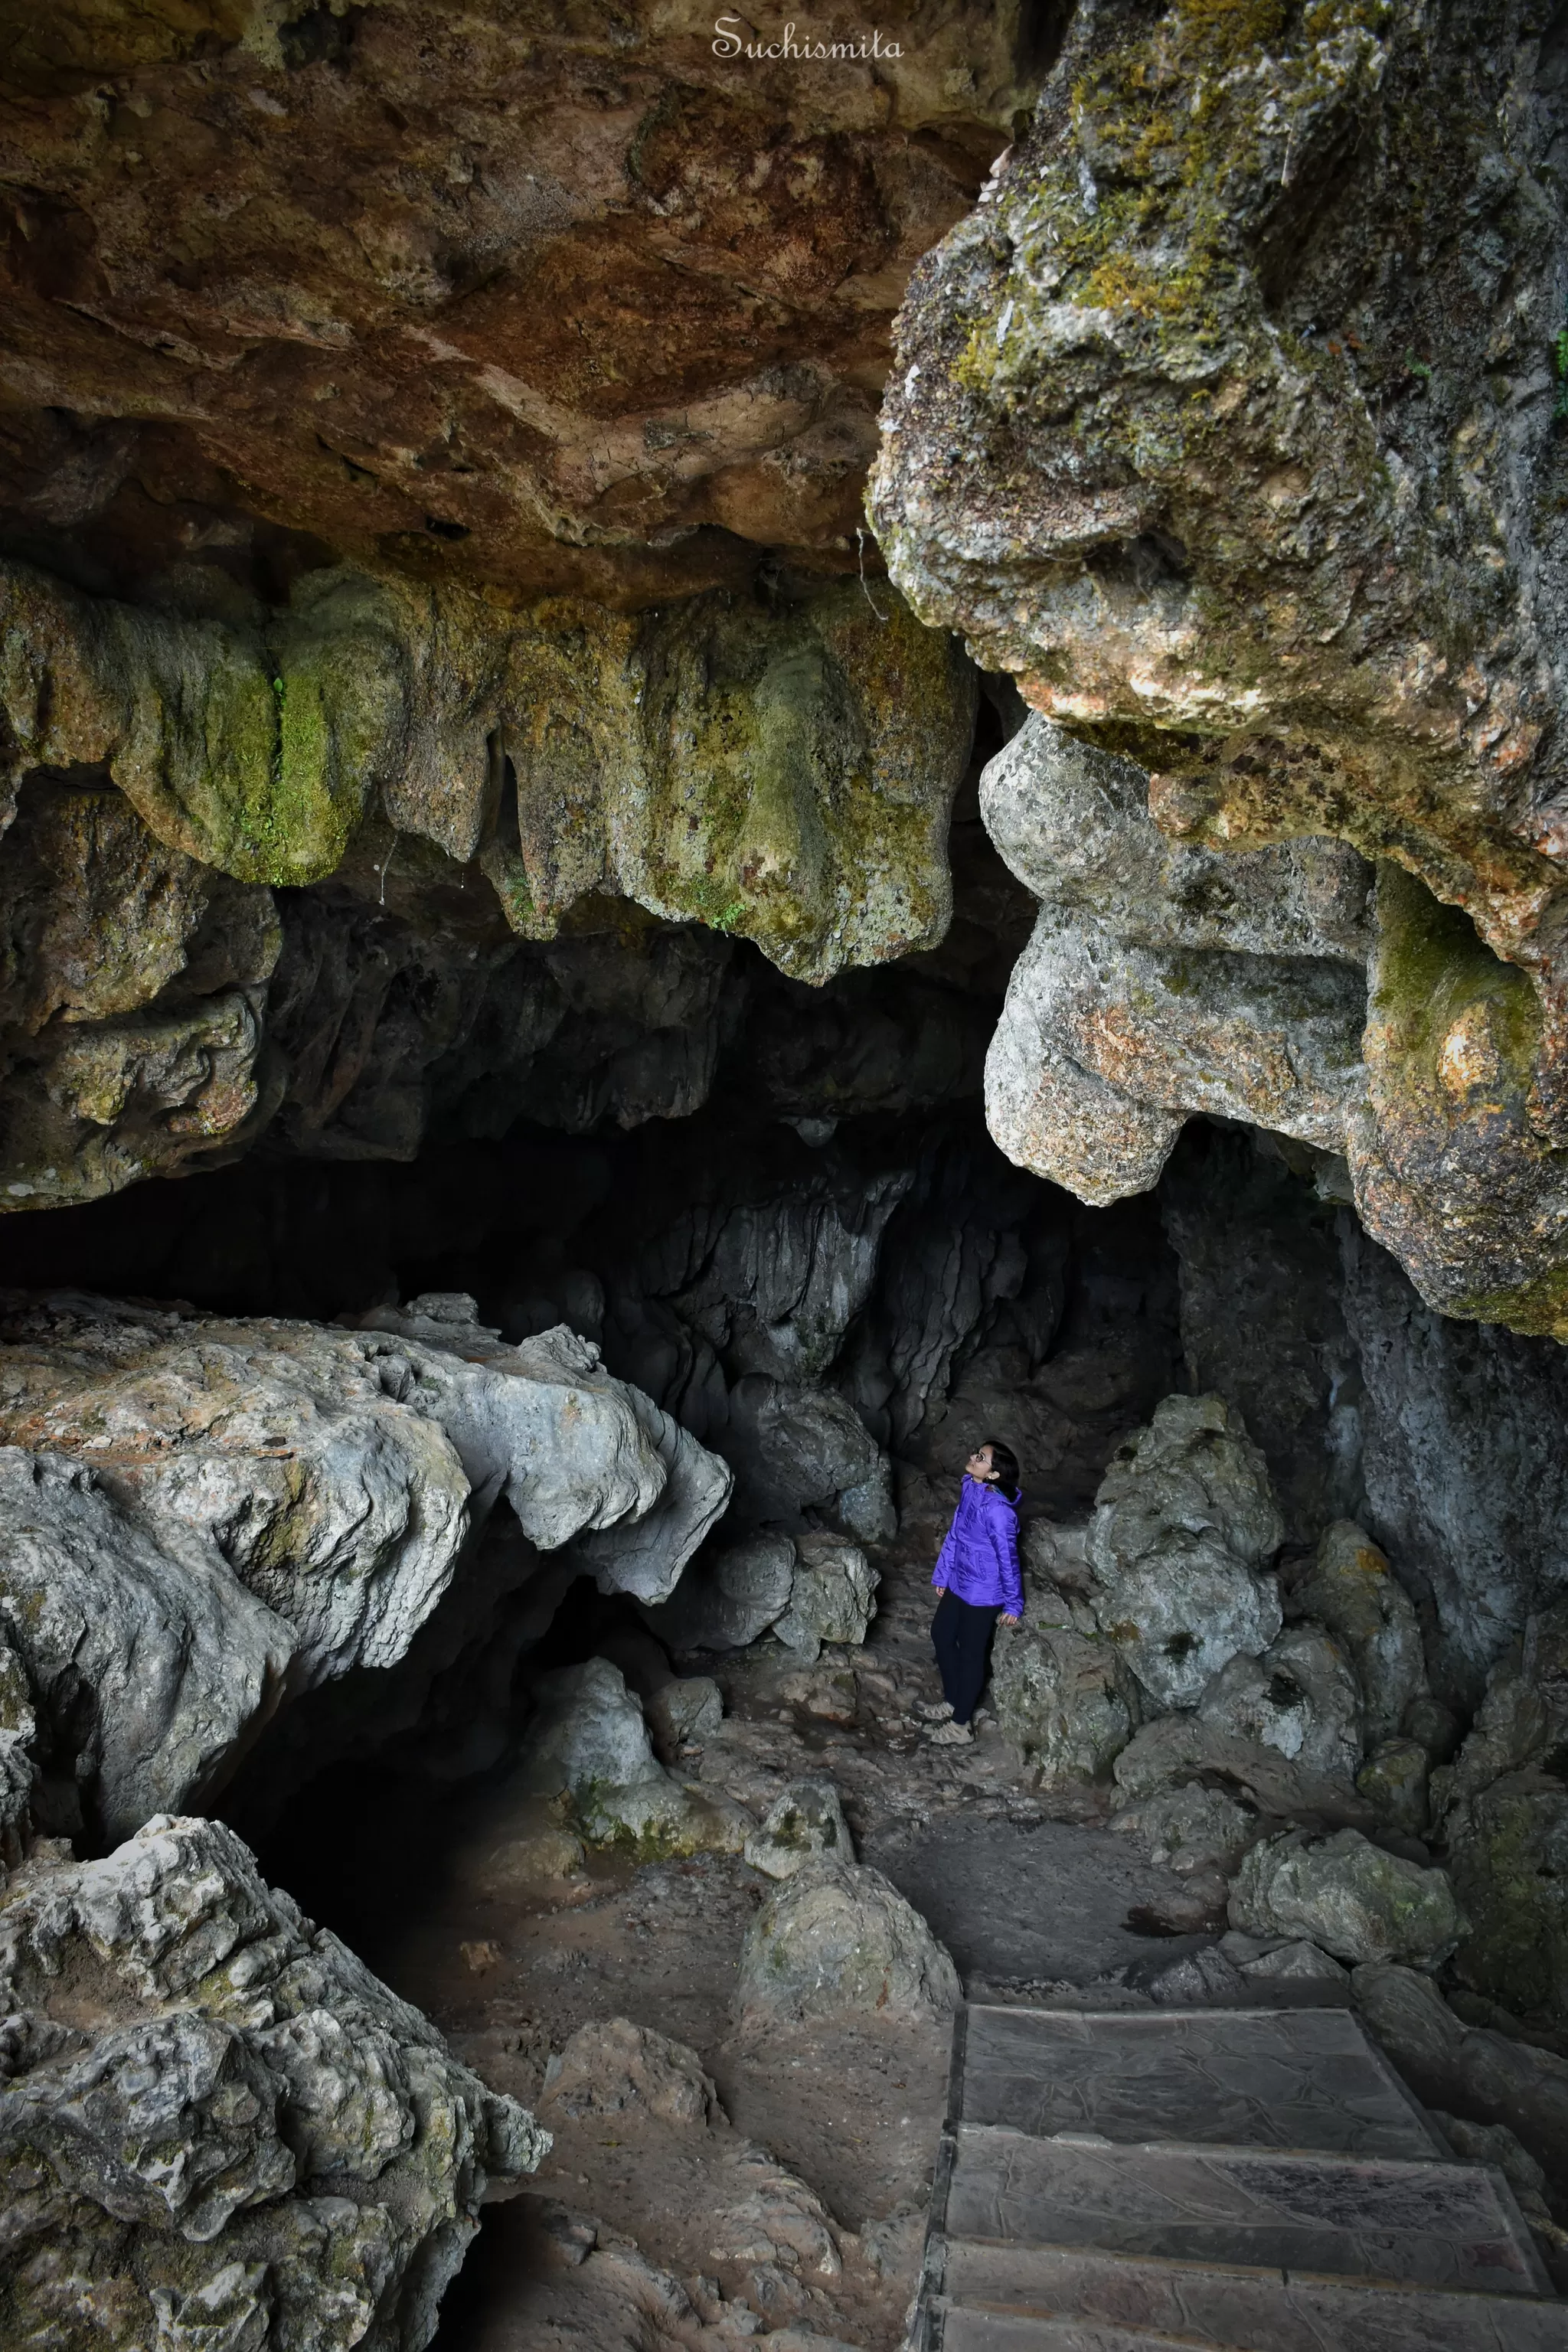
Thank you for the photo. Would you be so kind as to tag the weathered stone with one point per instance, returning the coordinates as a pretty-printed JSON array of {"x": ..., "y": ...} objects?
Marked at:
[
  {"x": 605, "y": 2068},
  {"x": 1300, "y": 1696},
  {"x": 838, "y": 1940},
  {"x": 1180, "y": 1749},
  {"x": 806, "y": 1820},
  {"x": 1508, "y": 1850},
  {"x": 1350, "y": 1587},
  {"x": 1487, "y": 2077},
  {"x": 1394, "y": 1780},
  {"x": 1293, "y": 1964},
  {"x": 800, "y": 1448},
  {"x": 150, "y": 1666},
  {"x": 1124, "y": 453},
  {"x": 18, "y": 1757},
  {"x": 832, "y": 1596},
  {"x": 1184, "y": 1520},
  {"x": 244, "y": 2130},
  {"x": 1064, "y": 1699},
  {"x": 684, "y": 1712},
  {"x": 1190, "y": 1828},
  {"x": 1522, "y": 1719},
  {"x": 1348, "y": 1897},
  {"x": 728, "y": 1596},
  {"x": 587, "y": 1740},
  {"x": 1494, "y": 2144}
]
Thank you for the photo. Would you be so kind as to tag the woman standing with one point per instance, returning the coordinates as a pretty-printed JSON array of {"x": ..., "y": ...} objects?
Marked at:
[{"x": 978, "y": 1579}]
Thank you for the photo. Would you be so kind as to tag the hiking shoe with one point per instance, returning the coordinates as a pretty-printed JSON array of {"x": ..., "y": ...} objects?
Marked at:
[
  {"x": 951, "y": 1735},
  {"x": 933, "y": 1710}
]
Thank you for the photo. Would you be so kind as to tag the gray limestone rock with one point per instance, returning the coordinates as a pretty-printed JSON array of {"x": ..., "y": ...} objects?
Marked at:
[
  {"x": 1350, "y": 1587},
  {"x": 587, "y": 1740},
  {"x": 1300, "y": 1696},
  {"x": 1523, "y": 1717},
  {"x": 1507, "y": 1850},
  {"x": 1065, "y": 1699},
  {"x": 832, "y": 1597},
  {"x": 1190, "y": 1828},
  {"x": 1473, "y": 2071},
  {"x": 18, "y": 1756},
  {"x": 728, "y": 1596},
  {"x": 805, "y": 1820},
  {"x": 150, "y": 1666},
  {"x": 245, "y": 2131},
  {"x": 1183, "y": 1521},
  {"x": 1180, "y": 1748},
  {"x": 1297, "y": 1964},
  {"x": 801, "y": 1447},
  {"x": 608, "y": 2066},
  {"x": 1348, "y": 1897},
  {"x": 838, "y": 1940},
  {"x": 688, "y": 1710}
]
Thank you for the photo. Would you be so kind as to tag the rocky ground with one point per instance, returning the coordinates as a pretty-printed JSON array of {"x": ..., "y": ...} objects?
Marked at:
[{"x": 793, "y": 2197}]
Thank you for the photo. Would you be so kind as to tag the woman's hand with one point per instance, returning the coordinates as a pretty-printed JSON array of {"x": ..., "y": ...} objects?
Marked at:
[{"x": 1008, "y": 1620}]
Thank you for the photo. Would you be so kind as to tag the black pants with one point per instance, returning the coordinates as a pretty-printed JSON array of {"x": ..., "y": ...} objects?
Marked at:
[{"x": 961, "y": 1636}]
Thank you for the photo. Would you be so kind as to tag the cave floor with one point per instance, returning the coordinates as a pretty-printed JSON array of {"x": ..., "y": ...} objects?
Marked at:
[{"x": 1029, "y": 1903}]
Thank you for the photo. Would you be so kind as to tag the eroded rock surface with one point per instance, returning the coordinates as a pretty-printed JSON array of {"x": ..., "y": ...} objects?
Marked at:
[
  {"x": 1188, "y": 433},
  {"x": 838, "y": 1940},
  {"x": 1349, "y": 1897},
  {"x": 246, "y": 2137}
]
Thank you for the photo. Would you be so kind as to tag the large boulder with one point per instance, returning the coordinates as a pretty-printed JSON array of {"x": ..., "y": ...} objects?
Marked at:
[
  {"x": 1183, "y": 1522},
  {"x": 1348, "y": 1897},
  {"x": 1522, "y": 1719},
  {"x": 1350, "y": 1587},
  {"x": 1299, "y": 1696},
  {"x": 839, "y": 1941},
  {"x": 1179, "y": 1749},
  {"x": 1472, "y": 2071},
  {"x": 1190, "y": 1828},
  {"x": 800, "y": 1447},
  {"x": 243, "y": 2139},
  {"x": 1064, "y": 1699},
  {"x": 832, "y": 1597}
]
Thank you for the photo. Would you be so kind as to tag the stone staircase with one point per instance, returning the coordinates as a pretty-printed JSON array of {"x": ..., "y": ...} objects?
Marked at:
[{"x": 1256, "y": 2179}]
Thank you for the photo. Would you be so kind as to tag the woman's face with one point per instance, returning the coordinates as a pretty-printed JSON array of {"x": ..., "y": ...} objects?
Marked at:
[{"x": 979, "y": 1466}]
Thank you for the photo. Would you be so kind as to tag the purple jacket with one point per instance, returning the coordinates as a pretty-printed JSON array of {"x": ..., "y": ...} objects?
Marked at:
[{"x": 979, "y": 1555}]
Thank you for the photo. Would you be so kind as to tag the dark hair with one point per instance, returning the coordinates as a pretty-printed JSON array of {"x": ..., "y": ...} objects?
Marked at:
[{"x": 1004, "y": 1461}]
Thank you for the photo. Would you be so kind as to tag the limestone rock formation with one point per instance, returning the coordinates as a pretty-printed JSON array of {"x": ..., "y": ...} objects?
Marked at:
[
  {"x": 1299, "y": 1696},
  {"x": 1507, "y": 1850},
  {"x": 245, "y": 2137},
  {"x": 1350, "y": 1589},
  {"x": 1189, "y": 433},
  {"x": 839, "y": 1941},
  {"x": 1181, "y": 1750},
  {"x": 732, "y": 1593},
  {"x": 832, "y": 1595},
  {"x": 1474, "y": 2071},
  {"x": 805, "y": 1820},
  {"x": 1347, "y": 1896},
  {"x": 605, "y": 2068},
  {"x": 587, "y": 1740},
  {"x": 1190, "y": 1828},
  {"x": 690, "y": 1709},
  {"x": 208, "y": 1515},
  {"x": 1183, "y": 1522},
  {"x": 1065, "y": 1699}
]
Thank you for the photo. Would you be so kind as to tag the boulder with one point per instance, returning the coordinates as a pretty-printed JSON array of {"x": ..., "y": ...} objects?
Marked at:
[
  {"x": 1184, "y": 1520},
  {"x": 1523, "y": 1717},
  {"x": 244, "y": 2137},
  {"x": 609, "y": 2066},
  {"x": 800, "y": 1447},
  {"x": 1494, "y": 2144},
  {"x": 19, "y": 1758},
  {"x": 1190, "y": 1828},
  {"x": 1300, "y": 1696},
  {"x": 1394, "y": 1780},
  {"x": 1348, "y": 1897},
  {"x": 1064, "y": 1699},
  {"x": 1507, "y": 1850},
  {"x": 728, "y": 1597},
  {"x": 1297, "y": 1964},
  {"x": 587, "y": 1740},
  {"x": 1473, "y": 2071},
  {"x": 839, "y": 1941},
  {"x": 1179, "y": 1749},
  {"x": 1350, "y": 1587},
  {"x": 683, "y": 1713},
  {"x": 806, "y": 1820},
  {"x": 833, "y": 1596}
]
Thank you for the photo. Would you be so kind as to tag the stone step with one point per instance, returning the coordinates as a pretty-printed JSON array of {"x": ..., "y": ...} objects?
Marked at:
[
  {"x": 1454, "y": 2226},
  {"x": 1342, "y": 2330},
  {"x": 1240, "y": 2078},
  {"x": 1255, "y": 2310}
]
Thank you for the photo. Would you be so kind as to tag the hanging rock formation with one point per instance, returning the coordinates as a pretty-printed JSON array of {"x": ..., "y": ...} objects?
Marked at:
[{"x": 1226, "y": 425}]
